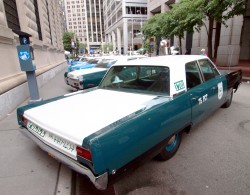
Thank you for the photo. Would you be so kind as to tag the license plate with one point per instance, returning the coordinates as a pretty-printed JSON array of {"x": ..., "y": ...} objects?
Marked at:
[
  {"x": 53, "y": 140},
  {"x": 34, "y": 128}
]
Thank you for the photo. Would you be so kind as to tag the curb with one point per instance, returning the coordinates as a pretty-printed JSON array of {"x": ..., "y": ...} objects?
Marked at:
[{"x": 63, "y": 186}]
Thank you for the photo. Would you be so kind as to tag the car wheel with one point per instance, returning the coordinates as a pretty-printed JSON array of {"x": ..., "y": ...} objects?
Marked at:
[
  {"x": 171, "y": 147},
  {"x": 229, "y": 101}
]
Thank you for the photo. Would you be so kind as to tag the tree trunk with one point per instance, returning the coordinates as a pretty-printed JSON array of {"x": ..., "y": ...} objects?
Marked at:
[
  {"x": 210, "y": 36},
  {"x": 180, "y": 46},
  {"x": 217, "y": 38},
  {"x": 158, "y": 40}
]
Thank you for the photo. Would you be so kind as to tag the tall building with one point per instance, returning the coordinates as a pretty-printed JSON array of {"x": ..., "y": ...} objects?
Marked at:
[
  {"x": 41, "y": 19},
  {"x": 123, "y": 20},
  {"x": 234, "y": 40},
  {"x": 85, "y": 19}
]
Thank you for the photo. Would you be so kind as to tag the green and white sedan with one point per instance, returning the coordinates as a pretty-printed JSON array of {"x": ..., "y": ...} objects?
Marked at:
[{"x": 138, "y": 111}]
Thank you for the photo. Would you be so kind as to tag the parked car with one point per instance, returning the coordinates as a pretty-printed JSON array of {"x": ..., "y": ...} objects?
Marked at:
[
  {"x": 84, "y": 64},
  {"x": 139, "y": 110},
  {"x": 174, "y": 50},
  {"x": 87, "y": 78}
]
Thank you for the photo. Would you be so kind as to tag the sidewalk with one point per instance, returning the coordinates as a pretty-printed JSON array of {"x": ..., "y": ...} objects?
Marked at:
[
  {"x": 24, "y": 168},
  {"x": 244, "y": 65}
]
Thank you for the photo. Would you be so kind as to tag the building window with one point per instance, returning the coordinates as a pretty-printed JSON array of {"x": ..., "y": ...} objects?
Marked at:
[
  {"x": 11, "y": 14},
  {"x": 47, "y": 7},
  {"x": 38, "y": 21}
]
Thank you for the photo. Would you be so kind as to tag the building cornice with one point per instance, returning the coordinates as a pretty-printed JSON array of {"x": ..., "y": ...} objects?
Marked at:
[{"x": 6, "y": 35}]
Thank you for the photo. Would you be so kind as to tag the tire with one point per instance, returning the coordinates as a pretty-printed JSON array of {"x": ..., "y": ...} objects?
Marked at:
[
  {"x": 171, "y": 147},
  {"x": 229, "y": 101}
]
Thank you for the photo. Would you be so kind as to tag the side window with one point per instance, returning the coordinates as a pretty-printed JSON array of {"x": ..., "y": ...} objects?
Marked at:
[
  {"x": 208, "y": 69},
  {"x": 193, "y": 76}
]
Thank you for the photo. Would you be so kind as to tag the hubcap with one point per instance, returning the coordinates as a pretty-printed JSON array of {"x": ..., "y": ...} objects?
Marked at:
[{"x": 172, "y": 142}]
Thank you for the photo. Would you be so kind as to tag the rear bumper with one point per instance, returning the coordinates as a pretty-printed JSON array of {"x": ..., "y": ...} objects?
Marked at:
[{"x": 100, "y": 181}]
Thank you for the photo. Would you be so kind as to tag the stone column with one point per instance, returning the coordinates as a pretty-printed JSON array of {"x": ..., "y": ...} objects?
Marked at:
[
  {"x": 113, "y": 40},
  {"x": 3, "y": 21},
  {"x": 229, "y": 48},
  {"x": 118, "y": 32},
  {"x": 125, "y": 36},
  {"x": 109, "y": 38}
]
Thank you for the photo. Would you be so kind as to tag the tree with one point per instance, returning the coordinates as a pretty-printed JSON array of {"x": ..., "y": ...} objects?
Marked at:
[
  {"x": 212, "y": 10},
  {"x": 153, "y": 29},
  {"x": 190, "y": 15},
  {"x": 82, "y": 47},
  {"x": 175, "y": 23},
  {"x": 67, "y": 36},
  {"x": 107, "y": 47}
]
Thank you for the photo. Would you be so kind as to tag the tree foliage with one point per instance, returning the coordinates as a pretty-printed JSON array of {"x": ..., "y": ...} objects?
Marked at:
[
  {"x": 107, "y": 47},
  {"x": 191, "y": 15},
  {"x": 82, "y": 47},
  {"x": 67, "y": 36}
]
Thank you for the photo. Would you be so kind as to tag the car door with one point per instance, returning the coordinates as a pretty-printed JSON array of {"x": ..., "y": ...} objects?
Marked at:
[
  {"x": 215, "y": 82},
  {"x": 198, "y": 91}
]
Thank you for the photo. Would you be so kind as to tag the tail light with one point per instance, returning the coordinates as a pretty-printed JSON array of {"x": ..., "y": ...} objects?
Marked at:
[
  {"x": 82, "y": 152},
  {"x": 24, "y": 120}
]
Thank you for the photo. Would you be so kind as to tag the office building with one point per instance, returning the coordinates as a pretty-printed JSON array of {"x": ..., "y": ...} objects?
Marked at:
[
  {"x": 85, "y": 19},
  {"x": 123, "y": 20}
]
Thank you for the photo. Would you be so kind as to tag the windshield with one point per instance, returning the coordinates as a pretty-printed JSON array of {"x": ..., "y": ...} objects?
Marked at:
[
  {"x": 93, "y": 61},
  {"x": 105, "y": 63},
  {"x": 141, "y": 79},
  {"x": 84, "y": 59}
]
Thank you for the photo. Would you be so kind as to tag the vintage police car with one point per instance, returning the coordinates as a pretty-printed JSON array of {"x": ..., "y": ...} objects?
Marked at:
[
  {"x": 138, "y": 111},
  {"x": 87, "y": 78}
]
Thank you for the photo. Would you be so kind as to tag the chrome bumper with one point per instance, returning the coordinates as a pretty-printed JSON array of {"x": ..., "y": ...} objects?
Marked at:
[
  {"x": 100, "y": 181},
  {"x": 75, "y": 83}
]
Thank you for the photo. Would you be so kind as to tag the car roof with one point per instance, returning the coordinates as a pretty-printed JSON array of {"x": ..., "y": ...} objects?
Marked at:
[
  {"x": 169, "y": 60},
  {"x": 124, "y": 57}
]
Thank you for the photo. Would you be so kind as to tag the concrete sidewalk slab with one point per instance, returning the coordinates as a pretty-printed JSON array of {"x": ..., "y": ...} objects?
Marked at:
[{"x": 25, "y": 169}]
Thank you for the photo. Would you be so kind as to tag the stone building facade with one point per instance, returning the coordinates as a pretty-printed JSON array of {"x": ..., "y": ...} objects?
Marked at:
[{"x": 43, "y": 20}]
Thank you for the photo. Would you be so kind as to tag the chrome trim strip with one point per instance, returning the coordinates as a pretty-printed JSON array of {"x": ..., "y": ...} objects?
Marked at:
[{"x": 100, "y": 181}]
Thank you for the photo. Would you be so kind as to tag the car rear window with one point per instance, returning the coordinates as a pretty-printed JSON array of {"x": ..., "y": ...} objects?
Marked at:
[{"x": 144, "y": 79}]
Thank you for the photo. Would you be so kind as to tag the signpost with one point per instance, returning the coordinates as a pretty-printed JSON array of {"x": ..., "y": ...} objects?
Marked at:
[{"x": 26, "y": 57}]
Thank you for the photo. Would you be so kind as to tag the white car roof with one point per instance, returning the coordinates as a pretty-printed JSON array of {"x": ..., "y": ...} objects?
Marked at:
[
  {"x": 169, "y": 60},
  {"x": 124, "y": 57}
]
